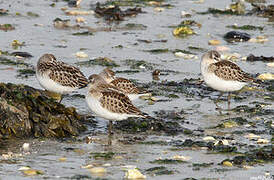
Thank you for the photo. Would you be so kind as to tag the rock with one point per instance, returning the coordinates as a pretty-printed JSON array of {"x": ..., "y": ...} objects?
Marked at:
[
  {"x": 236, "y": 36},
  {"x": 28, "y": 112},
  {"x": 251, "y": 57}
]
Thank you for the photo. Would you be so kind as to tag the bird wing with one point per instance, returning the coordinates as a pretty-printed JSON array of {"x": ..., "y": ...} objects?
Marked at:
[
  {"x": 68, "y": 75},
  {"x": 125, "y": 85},
  {"x": 118, "y": 103},
  {"x": 229, "y": 71}
]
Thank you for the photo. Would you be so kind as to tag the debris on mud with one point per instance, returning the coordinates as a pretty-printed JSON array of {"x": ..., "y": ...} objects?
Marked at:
[
  {"x": 6, "y": 27},
  {"x": 114, "y": 13},
  {"x": 64, "y": 24},
  {"x": 251, "y": 57},
  {"x": 28, "y": 112},
  {"x": 159, "y": 170},
  {"x": 102, "y": 61},
  {"x": 236, "y": 36},
  {"x": 150, "y": 124},
  {"x": 246, "y": 27},
  {"x": 3, "y": 12},
  {"x": 25, "y": 73},
  {"x": 237, "y": 8},
  {"x": 21, "y": 54}
]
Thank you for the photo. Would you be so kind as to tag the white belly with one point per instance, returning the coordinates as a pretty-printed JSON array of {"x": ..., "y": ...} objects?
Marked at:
[
  {"x": 219, "y": 84},
  {"x": 96, "y": 107},
  {"x": 52, "y": 86}
]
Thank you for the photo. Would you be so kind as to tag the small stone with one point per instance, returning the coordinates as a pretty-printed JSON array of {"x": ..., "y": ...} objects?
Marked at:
[
  {"x": 270, "y": 64},
  {"x": 185, "y": 14},
  {"x": 159, "y": 9},
  {"x": 247, "y": 167},
  {"x": 185, "y": 56},
  {"x": 252, "y": 136},
  {"x": 227, "y": 163},
  {"x": 78, "y": 12},
  {"x": 98, "y": 171},
  {"x": 259, "y": 39},
  {"x": 32, "y": 172},
  {"x": 230, "y": 124},
  {"x": 26, "y": 147},
  {"x": 181, "y": 158},
  {"x": 118, "y": 157},
  {"x": 134, "y": 174},
  {"x": 107, "y": 165},
  {"x": 262, "y": 141},
  {"x": 23, "y": 168},
  {"x": 266, "y": 76},
  {"x": 62, "y": 159},
  {"x": 89, "y": 166},
  {"x": 81, "y": 54},
  {"x": 222, "y": 48},
  {"x": 222, "y": 142},
  {"x": 214, "y": 42},
  {"x": 80, "y": 20},
  {"x": 209, "y": 138}
]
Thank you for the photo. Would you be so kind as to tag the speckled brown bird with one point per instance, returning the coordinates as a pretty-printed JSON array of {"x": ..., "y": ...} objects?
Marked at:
[
  {"x": 57, "y": 76},
  {"x": 223, "y": 75},
  {"x": 107, "y": 102}
]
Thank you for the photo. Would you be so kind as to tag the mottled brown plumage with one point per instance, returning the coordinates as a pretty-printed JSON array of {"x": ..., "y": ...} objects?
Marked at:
[
  {"x": 229, "y": 71},
  {"x": 60, "y": 72},
  {"x": 118, "y": 103},
  {"x": 125, "y": 85}
]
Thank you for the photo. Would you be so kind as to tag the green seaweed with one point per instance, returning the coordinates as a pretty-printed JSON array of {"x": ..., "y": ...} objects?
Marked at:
[
  {"x": 157, "y": 51},
  {"x": 101, "y": 61},
  {"x": 246, "y": 27},
  {"x": 32, "y": 14},
  {"x": 102, "y": 155},
  {"x": 85, "y": 33},
  {"x": 167, "y": 161},
  {"x": 159, "y": 170}
]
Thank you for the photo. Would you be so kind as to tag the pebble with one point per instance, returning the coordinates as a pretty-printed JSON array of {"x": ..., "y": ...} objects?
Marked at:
[
  {"x": 80, "y": 20},
  {"x": 266, "y": 76},
  {"x": 227, "y": 163},
  {"x": 270, "y": 64},
  {"x": 252, "y": 136},
  {"x": 81, "y": 54},
  {"x": 159, "y": 9},
  {"x": 62, "y": 159},
  {"x": 209, "y": 138},
  {"x": 181, "y": 158},
  {"x": 98, "y": 171},
  {"x": 32, "y": 172},
  {"x": 214, "y": 42},
  {"x": 185, "y": 56},
  {"x": 185, "y": 14},
  {"x": 262, "y": 141},
  {"x": 222, "y": 48},
  {"x": 78, "y": 12},
  {"x": 23, "y": 168},
  {"x": 134, "y": 174},
  {"x": 26, "y": 147}
]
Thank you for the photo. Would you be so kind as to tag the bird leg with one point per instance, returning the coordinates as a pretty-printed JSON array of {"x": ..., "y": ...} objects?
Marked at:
[
  {"x": 228, "y": 100},
  {"x": 110, "y": 133},
  {"x": 218, "y": 99},
  {"x": 61, "y": 99}
]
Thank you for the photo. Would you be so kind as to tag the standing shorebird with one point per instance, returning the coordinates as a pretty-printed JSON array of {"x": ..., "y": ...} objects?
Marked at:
[
  {"x": 223, "y": 75},
  {"x": 59, "y": 77},
  {"x": 125, "y": 85},
  {"x": 109, "y": 103}
]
